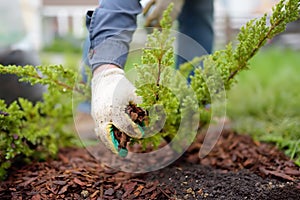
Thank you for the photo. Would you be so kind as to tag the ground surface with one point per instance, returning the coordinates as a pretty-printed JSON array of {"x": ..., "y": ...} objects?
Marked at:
[{"x": 237, "y": 168}]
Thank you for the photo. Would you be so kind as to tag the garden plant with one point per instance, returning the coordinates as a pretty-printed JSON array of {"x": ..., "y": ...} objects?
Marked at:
[{"x": 36, "y": 131}]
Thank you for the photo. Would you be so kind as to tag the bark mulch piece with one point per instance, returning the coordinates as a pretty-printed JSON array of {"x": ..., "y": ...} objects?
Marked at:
[{"x": 237, "y": 168}]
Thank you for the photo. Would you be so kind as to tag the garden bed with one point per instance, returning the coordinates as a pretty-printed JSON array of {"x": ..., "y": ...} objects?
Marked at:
[{"x": 237, "y": 168}]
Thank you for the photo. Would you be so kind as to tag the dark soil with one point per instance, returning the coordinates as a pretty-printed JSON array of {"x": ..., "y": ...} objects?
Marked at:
[{"x": 237, "y": 168}]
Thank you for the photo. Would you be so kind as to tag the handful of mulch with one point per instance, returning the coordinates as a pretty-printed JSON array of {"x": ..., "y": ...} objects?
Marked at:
[{"x": 138, "y": 115}]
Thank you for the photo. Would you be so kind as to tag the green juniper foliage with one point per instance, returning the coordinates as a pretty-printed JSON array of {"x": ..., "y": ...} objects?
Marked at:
[
  {"x": 252, "y": 37},
  {"x": 165, "y": 93},
  {"x": 218, "y": 73},
  {"x": 37, "y": 131}
]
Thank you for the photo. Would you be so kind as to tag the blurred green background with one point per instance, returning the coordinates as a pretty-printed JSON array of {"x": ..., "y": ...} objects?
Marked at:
[{"x": 265, "y": 102}]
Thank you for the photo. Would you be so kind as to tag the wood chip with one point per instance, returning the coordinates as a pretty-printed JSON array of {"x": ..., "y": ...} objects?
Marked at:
[
  {"x": 63, "y": 189},
  {"x": 79, "y": 182}
]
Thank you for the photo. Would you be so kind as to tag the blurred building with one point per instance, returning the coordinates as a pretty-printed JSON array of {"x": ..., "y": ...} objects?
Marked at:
[
  {"x": 38, "y": 22},
  {"x": 231, "y": 15},
  {"x": 20, "y": 24},
  {"x": 44, "y": 20},
  {"x": 64, "y": 18},
  {"x": 20, "y": 38}
]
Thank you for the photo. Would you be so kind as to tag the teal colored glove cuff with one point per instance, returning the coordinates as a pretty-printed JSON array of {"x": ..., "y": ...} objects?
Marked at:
[
  {"x": 142, "y": 129},
  {"x": 121, "y": 151}
]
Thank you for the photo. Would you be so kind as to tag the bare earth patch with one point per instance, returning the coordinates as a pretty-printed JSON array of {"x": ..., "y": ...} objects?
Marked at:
[{"x": 236, "y": 168}]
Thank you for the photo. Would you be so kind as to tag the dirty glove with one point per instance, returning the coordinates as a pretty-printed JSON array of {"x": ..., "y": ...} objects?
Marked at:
[
  {"x": 111, "y": 93},
  {"x": 160, "y": 6}
]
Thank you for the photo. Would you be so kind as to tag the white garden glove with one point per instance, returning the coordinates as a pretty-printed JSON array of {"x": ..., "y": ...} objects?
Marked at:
[
  {"x": 111, "y": 93},
  {"x": 160, "y": 6}
]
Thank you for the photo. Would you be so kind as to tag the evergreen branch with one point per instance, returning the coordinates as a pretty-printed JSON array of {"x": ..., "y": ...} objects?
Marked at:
[
  {"x": 254, "y": 51},
  {"x": 283, "y": 13},
  {"x": 31, "y": 74}
]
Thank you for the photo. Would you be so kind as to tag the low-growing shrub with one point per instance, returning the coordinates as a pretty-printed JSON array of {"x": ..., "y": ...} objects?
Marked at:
[{"x": 38, "y": 130}]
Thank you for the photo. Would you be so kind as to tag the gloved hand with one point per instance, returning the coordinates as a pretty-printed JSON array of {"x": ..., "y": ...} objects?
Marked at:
[
  {"x": 161, "y": 5},
  {"x": 111, "y": 93}
]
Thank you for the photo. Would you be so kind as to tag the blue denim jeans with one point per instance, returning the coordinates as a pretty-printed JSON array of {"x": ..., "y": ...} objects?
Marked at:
[
  {"x": 86, "y": 105},
  {"x": 196, "y": 22}
]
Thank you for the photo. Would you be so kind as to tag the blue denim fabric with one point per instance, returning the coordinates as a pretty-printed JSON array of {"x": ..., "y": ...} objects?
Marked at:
[
  {"x": 85, "y": 59},
  {"x": 111, "y": 27},
  {"x": 195, "y": 21}
]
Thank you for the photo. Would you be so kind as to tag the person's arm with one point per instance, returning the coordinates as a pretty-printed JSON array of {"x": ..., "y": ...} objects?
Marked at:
[{"x": 111, "y": 27}]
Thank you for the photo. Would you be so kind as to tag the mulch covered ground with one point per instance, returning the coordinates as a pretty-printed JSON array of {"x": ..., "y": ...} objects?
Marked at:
[{"x": 237, "y": 168}]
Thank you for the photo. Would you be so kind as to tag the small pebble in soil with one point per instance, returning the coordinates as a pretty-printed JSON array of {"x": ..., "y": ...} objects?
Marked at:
[
  {"x": 109, "y": 192},
  {"x": 205, "y": 195},
  {"x": 84, "y": 193},
  {"x": 190, "y": 191},
  {"x": 119, "y": 194}
]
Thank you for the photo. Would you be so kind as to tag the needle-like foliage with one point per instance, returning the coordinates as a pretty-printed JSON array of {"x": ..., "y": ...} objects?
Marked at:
[{"x": 175, "y": 108}]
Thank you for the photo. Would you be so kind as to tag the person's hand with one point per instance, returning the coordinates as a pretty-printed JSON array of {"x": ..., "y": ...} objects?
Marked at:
[
  {"x": 160, "y": 5},
  {"x": 111, "y": 93}
]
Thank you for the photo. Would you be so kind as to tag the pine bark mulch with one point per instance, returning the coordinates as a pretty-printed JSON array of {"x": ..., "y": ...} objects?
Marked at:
[{"x": 236, "y": 168}]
